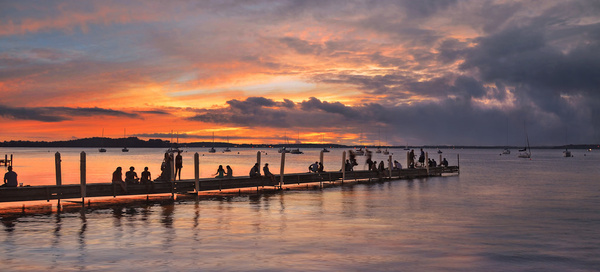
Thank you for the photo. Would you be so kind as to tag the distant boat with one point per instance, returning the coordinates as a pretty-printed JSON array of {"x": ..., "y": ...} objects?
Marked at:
[
  {"x": 227, "y": 149},
  {"x": 386, "y": 152},
  {"x": 359, "y": 152},
  {"x": 125, "y": 149},
  {"x": 102, "y": 149},
  {"x": 440, "y": 151},
  {"x": 567, "y": 153},
  {"x": 296, "y": 151},
  {"x": 506, "y": 151},
  {"x": 406, "y": 148},
  {"x": 378, "y": 150},
  {"x": 283, "y": 150},
  {"x": 525, "y": 152},
  {"x": 212, "y": 149},
  {"x": 325, "y": 150}
]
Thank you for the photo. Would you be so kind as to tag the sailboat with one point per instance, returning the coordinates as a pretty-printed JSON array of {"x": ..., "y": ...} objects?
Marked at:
[
  {"x": 102, "y": 149},
  {"x": 212, "y": 149},
  {"x": 322, "y": 141},
  {"x": 525, "y": 152},
  {"x": 297, "y": 150},
  {"x": 125, "y": 149},
  {"x": 566, "y": 153},
  {"x": 506, "y": 151},
  {"x": 227, "y": 148},
  {"x": 284, "y": 149},
  {"x": 174, "y": 147}
]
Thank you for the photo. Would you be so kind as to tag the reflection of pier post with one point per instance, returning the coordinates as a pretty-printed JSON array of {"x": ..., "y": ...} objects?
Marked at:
[
  {"x": 82, "y": 170},
  {"x": 281, "y": 170},
  {"x": 197, "y": 172},
  {"x": 58, "y": 177}
]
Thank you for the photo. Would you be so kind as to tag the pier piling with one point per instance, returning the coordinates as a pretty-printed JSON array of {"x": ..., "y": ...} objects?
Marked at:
[
  {"x": 83, "y": 176},
  {"x": 197, "y": 172}
]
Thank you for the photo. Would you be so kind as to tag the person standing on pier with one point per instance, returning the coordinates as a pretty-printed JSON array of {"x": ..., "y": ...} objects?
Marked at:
[
  {"x": 10, "y": 178},
  {"x": 118, "y": 178},
  {"x": 178, "y": 164}
]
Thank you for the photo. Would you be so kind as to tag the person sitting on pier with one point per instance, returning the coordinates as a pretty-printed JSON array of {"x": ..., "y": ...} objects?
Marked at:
[
  {"x": 321, "y": 169},
  {"x": 373, "y": 166},
  {"x": 131, "y": 176},
  {"x": 444, "y": 162},
  {"x": 118, "y": 178},
  {"x": 255, "y": 172},
  {"x": 313, "y": 168},
  {"x": 10, "y": 178},
  {"x": 146, "y": 176},
  {"x": 229, "y": 171},
  {"x": 268, "y": 173},
  {"x": 397, "y": 165},
  {"x": 165, "y": 168},
  {"x": 381, "y": 167},
  {"x": 220, "y": 172}
]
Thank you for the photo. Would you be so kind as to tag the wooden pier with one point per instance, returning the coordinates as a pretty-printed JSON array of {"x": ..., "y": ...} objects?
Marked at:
[
  {"x": 6, "y": 161},
  {"x": 197, "y": 185}
]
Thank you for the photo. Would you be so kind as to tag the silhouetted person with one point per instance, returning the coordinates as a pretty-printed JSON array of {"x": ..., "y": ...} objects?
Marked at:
[
  {"x": 268, "y": 173},
  {"x": 229, "y": 171},
  {"x": 220, "y": 172},
  {"x": 10, "y": 178},
  {"x": 146, "y": 176},
  {"x": 444, "y": 162},
  {"x": 131, "y": 176},
  {"x": 422, "y": 158},
  {"x": 165, "y": 168},
  {"x": 118, "y": 178},
  {"x": 178, "y": 164},
  {"x": 313, "y": 167},
  {"x": 397, "y": 165},
  {"x": 411, "y": 159},
  {"x": 321, "y": 167},
  {"x": 255, "y": 172},
  {"x": 381, "y": 167}
]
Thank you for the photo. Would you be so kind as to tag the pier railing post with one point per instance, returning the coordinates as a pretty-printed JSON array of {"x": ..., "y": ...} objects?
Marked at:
[
  {"x": 57, "y": 161},
  {"x": 172, "y": 167},
  {"x": 11, "y": 159},
  {"x": 427, "y": 162},
  {"x": 407, "y": 159},
  {"x": 321, "y": 158},
  {"x": 258, "y": 160},
  {"x": 281, "y": 170},
  {"x": 343, "y": 166},
  {"x": 83, "y": 177},
  {"x": 390, "y": 167},
  {"x": 197, "y": 171}
]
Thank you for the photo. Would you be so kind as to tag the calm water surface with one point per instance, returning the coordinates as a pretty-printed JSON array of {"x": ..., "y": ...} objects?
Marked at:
[{"x": 500, "y": 214}]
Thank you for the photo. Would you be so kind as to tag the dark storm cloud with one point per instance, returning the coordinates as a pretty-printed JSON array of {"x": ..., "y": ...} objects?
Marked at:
[{"x": 57, "y": 114}]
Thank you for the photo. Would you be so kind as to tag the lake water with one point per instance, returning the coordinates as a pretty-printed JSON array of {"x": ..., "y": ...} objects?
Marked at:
[{"x": 501, "y": 213}]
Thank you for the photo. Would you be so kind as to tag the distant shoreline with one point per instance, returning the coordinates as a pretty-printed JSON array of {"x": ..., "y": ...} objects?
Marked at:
[{"x": 134, "y": 142}]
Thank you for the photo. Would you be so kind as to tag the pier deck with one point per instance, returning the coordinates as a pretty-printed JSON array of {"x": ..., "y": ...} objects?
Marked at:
[{"x": 73, "y": 191}]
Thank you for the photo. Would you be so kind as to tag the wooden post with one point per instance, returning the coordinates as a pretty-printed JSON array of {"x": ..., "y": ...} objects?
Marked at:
[
  {"x": 197, "y": 171},
  {"x": 427, "y": 162},
  {"x": 281, "y": 171},
  {"x": 343, "y": 166},
  {"x": 58, "y": 170},
  {"x": 321, "y": 158},
  {"x": 440, "y": 161},
  {"x": 172, "y": 165},
  {"x": 58, "y": 177},
  {"x": 258, "y": 160},
  {"x": 407, "y": 159},
  {"x": 390, "y": 166},
  {"x": 458, "y": 162},
  {"x": 5, "y": 159},
  {"x": 11, "y": 159},
  {"x": 83, "y": 176}
]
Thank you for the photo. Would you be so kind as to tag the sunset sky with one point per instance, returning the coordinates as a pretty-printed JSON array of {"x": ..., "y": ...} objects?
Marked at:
[{"x": 445, "y": 72}]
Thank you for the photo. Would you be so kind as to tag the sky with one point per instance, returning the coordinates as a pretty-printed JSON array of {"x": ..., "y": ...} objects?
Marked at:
[{"x": 402, "y": 72}]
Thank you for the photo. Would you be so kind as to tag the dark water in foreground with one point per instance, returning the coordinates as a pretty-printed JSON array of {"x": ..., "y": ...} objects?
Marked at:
[{"x": 500, "y": 214}]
